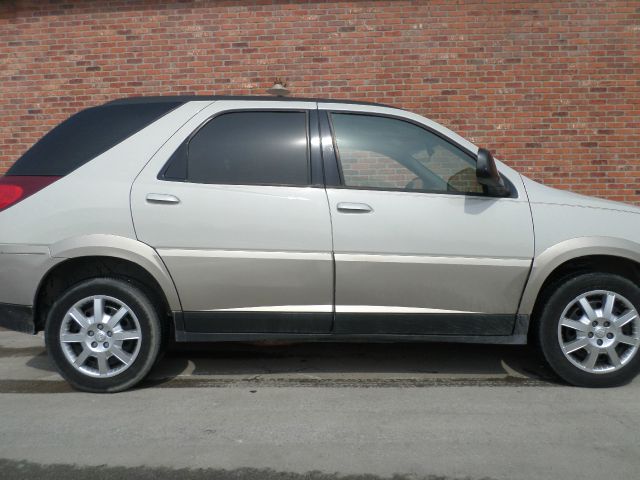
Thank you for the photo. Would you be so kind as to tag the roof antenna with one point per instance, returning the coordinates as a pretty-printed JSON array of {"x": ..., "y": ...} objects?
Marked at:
[{"x": 279, "y": 88}]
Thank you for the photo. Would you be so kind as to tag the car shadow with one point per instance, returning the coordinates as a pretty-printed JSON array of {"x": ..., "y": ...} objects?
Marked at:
[
  {"x": 350, "y": 361},
  {"x": 365, "y": 363}
]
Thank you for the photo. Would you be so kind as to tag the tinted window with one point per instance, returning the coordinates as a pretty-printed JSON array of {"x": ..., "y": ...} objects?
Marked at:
[
  {"x": 86, "y": 135},
  {"x": 251, "y": 148},
  {"x": 382, "y": 152}
]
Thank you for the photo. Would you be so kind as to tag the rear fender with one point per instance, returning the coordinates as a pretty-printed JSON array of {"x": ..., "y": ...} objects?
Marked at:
[{"x": 100, "y": 245}]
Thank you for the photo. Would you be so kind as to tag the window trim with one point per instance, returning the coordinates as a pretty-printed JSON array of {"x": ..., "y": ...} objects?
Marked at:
[
  {"x": 183, "y": 150},
  {"x": 315, "y": 150},
  {"x": 513, "y": 192}
]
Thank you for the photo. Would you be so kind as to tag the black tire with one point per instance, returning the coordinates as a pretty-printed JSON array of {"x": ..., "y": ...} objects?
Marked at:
[
  {"x": 150, "y": 332},
  {"x": 558, "y": 297}
]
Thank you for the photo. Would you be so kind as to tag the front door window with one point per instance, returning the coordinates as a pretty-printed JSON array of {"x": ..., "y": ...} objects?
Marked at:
[{"x": 386, "y": 153}]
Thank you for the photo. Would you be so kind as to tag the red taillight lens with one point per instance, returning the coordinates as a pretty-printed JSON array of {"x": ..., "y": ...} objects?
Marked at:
[
  {"x": 14, "y": 188},
  {"x": 9, "y": 194}
]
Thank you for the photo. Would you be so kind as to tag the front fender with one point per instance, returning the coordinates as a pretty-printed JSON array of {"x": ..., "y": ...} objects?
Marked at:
[
  {"x": 554, "y": 256},
  {"x": 101, "y": 245}
]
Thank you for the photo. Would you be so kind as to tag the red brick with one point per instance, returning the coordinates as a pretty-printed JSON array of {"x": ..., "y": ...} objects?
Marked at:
[{"x": 553, "y": 88}]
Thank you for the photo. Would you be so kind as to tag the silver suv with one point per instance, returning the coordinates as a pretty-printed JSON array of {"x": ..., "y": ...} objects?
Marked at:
[{"x": 244, "y": 218}]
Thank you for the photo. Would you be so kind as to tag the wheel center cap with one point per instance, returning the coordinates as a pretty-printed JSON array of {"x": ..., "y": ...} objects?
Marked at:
[
  {"x": 599, "y": 332},
  {"x": 100, "y": 336}
]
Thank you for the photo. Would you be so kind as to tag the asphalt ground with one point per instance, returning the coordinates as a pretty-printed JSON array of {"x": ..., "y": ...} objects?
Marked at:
[{"x": 317, "y": 411}]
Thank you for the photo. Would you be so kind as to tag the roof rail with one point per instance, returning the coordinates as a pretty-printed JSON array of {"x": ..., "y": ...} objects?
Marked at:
[{"x": 195, "y": 98}]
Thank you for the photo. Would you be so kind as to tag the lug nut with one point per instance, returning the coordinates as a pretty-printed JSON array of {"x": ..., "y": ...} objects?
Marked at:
[
  {"x": 595, "y": 324},
  {"x": 606, "y": 324},
  {"x": 100, "y": 327},
  {"x": 109, "y": 334},
  {"x": 94, "y": 344},
  {"x": 609, "y": 335},
  {"x": 90, "y": 333},
  {"x": 105, "y": 344},
  {"x": 599, "y": 342},
  {"x": 590, "y": 334}
]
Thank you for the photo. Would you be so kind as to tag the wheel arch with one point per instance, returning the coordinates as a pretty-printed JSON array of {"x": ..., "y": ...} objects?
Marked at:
[
  {"x": 104, "y": 255},
  {"x": 585, "y": 254}
]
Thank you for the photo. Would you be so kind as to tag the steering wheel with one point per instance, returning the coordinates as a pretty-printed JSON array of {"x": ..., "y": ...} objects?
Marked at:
[
  {"x": 418, "y": 184},
  {"x": 415, "y": 184}
]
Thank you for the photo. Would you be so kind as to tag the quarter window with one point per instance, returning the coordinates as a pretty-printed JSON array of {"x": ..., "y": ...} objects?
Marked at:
[
  {"x": 85, "y": 135},
  {"x": 387, "y": 153},
  {"x": 259, "y": 148}
]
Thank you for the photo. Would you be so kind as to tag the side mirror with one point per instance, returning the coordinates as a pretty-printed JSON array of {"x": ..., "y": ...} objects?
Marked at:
[{"x": 488, "y": 175}]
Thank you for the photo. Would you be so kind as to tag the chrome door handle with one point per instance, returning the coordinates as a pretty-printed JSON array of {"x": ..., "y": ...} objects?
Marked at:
[
  {"x": 347, "y": 207},
  {"x": 162, "y": 198}
]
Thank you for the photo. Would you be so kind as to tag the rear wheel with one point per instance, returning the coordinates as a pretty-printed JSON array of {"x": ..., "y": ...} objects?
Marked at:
[
  {"x": 589, "y": 330},
  {"x": 103, "y": 335}
]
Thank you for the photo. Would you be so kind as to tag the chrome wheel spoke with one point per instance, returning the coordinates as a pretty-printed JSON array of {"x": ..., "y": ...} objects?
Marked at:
[
  {"x": 126, "y": 335},
  {"x": 575, "y": 345},
  {"x": 613, "y": 356},
  {"x": 98, "y": 310},
  {"x": 591, "y": 359},
  {"x": 103, "y": 365},
  {"x": 626, "y": 318},
  {"x": 587, "y": 309},
  {"x": 575, "y": 325},
  {"x": 607, "y": 309},
  {"x": 72, "y": 337},
  {"x": 121, "y": 355},
  {"x": 80, "y": 359},
  {"x": 79, "y": 318},
  {"x": 627, "y": 340},
  {"x": 116, "y": 317}
]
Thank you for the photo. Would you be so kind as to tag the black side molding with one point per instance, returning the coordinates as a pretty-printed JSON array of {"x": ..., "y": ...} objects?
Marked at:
[
  {"x": 421, "y": 324},
  {"x": 17, "y": 317},
  {"x": 182, "y": 336},
  {"x": 257, "y": 322},
  {"x": 316, "y": 327}
]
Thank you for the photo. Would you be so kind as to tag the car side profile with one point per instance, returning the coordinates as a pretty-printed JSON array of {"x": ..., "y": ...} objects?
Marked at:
[{"x": 254, "y": 218}]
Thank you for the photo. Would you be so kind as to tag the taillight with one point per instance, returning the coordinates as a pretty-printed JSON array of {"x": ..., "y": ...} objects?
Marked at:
[{"x": 15, "y": 188}]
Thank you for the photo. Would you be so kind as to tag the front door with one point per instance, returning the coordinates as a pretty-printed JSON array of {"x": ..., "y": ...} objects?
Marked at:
[
  {"x": 419, "y": 247},
  {"x": 229, "y": 206}
]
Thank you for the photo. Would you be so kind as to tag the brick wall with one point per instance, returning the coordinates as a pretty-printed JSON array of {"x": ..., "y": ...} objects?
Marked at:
[{"x": 552, "y": 87}]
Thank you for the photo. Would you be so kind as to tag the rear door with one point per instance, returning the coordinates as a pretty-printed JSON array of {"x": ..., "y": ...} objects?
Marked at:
[
  {"x": 419, "y": 247},
  {"x": 234, "y": 204}
]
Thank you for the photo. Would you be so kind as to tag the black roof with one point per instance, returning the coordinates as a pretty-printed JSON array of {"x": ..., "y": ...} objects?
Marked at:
[{"x": 211, "y": 98}]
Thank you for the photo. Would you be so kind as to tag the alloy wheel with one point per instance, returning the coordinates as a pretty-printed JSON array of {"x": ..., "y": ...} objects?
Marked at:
[
  {"x": 599, "y": 331},
  {"x": 100, "y": 336}
]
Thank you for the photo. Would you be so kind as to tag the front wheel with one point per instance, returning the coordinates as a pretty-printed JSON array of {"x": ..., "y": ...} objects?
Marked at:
[
  {"x": 589, "y": 330},
  {"x": 103, "y": 335}
]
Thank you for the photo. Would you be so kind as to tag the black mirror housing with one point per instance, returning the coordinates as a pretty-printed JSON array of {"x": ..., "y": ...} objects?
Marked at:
[{"x": 488, "y": 175}]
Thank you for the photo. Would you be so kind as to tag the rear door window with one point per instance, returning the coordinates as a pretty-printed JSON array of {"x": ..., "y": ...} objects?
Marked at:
[{"x": 251, "y": 148}]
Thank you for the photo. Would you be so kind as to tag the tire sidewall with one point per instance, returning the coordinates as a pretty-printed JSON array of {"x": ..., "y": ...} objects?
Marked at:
[
  {"x": 550, "y": 319},
  {"x": 150, "y": 343}
]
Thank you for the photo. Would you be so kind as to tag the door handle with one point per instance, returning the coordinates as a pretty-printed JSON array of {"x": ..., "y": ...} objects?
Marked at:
[
  {"x": 347, "y": 207},
  {"x": 162, "y": 198}
]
